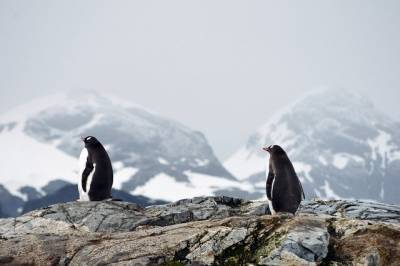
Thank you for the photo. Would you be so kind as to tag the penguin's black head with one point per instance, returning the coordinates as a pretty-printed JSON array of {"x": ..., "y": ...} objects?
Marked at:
[
  {"x": 274, "y": 149},
  {"x": 90, "y": 141}
]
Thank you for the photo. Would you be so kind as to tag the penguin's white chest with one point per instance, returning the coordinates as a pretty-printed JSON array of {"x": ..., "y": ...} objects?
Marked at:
[{"x": 84, "y": 196}]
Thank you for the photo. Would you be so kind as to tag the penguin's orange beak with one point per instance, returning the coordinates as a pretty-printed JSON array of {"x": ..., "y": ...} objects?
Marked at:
[{"x": 82, "y": 138}]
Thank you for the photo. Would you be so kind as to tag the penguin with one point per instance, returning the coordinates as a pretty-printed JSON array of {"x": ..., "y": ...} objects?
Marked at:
[
  {"x": 96, "y": 173},
  {"x": 283, "y": 187}
]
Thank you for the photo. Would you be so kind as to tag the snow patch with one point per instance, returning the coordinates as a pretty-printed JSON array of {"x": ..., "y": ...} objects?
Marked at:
[
  {"x": 43, "y": 162},
  {"x": 122, "y": 175},
  {"x": 279, "y": 134},
  {"x": 162, "y": 161},
  {"x": 118, "y": 165},
  {"x": 305, "y": 169},
  {"x": 202, "y": 163},
  {"x": 329, "y": 193},
  {"x": 243, "y": 164},
  {"x": 383, "y": 147},
  {"x": 322, "y": 160},
  {"x": 249, "y": 161},
  {"x": 340, "y": 161},
  {"x": 163, "y": 186},
  {"x": 261, "y": 185}
]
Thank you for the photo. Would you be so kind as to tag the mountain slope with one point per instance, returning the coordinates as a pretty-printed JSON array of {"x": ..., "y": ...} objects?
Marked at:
[
  {"x": 42, "y": 144},
  {"x": 340, "y": 145}
]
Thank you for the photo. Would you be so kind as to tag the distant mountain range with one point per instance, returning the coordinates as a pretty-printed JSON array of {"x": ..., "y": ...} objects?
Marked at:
[
  {"x": 340, "y": 145},
  {"x": 152, "y": 156}
]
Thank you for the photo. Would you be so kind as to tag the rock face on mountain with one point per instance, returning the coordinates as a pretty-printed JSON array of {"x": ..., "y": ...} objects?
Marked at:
[
  {"x": 203, "y": 231},
  {"x": 340, "y": 145},
  {"x": 9, "y": 203}
]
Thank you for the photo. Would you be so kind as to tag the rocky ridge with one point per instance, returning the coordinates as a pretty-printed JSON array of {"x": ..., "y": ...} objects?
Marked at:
[{"x": 203, "y": 231}]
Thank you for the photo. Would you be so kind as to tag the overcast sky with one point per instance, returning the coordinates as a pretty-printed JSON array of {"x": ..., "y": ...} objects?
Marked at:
[{"x": 221, "y": 67}]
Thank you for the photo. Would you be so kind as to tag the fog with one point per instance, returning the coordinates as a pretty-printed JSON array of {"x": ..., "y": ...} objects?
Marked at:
[{"x": 221, "y": 67}]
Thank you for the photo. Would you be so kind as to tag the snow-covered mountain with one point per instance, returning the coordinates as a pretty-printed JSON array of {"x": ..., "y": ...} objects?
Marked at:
[
  {"x": 152, "y": 156},
  {"x": 340, "y": 145}
]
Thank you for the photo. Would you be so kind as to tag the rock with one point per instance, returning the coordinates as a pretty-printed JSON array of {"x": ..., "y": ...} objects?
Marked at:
[
  {"x": 203, "y": 231},
  {"x": 305, "y": 239},
  {"x": 195, "y": 209},
  {"x": 105, "y": 216},
  {"x": 355, "y": 209}
]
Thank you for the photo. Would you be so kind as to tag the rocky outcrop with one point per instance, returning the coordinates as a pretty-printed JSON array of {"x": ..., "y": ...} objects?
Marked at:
[{"x": 203, "y": 231}]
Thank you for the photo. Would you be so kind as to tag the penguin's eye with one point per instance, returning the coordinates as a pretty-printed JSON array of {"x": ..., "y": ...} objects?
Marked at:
[{"x": 88, "y": 138}]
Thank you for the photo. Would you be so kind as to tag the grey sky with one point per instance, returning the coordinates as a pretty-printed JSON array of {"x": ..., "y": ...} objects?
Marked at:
[{"x": 222, "y": 67}]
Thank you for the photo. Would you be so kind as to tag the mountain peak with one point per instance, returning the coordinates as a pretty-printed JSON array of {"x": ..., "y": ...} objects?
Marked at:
[
  {"x": 68, "y": 100},
  {"x": 152, "y": 155},
  {"x": 335, "y": 139}
]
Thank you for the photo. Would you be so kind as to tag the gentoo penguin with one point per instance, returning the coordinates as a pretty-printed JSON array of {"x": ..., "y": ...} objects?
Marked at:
[
  {"x": 96, "y": 173},
  {"x": 284, "y": 190}
]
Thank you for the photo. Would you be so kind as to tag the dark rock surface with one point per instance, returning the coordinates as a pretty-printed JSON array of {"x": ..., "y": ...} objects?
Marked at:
[{"x": 203, "y": 231}]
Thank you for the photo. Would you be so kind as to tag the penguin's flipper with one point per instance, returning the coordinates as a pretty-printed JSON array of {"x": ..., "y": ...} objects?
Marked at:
[
  {"x": 269, "y": 183},
  {"x": 88, "y": 169}
]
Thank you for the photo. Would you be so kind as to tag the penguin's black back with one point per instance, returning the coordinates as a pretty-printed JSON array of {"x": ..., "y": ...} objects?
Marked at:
[
  {"x": 102, "y": 180},
  {"x": 287, "y": 191}
]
